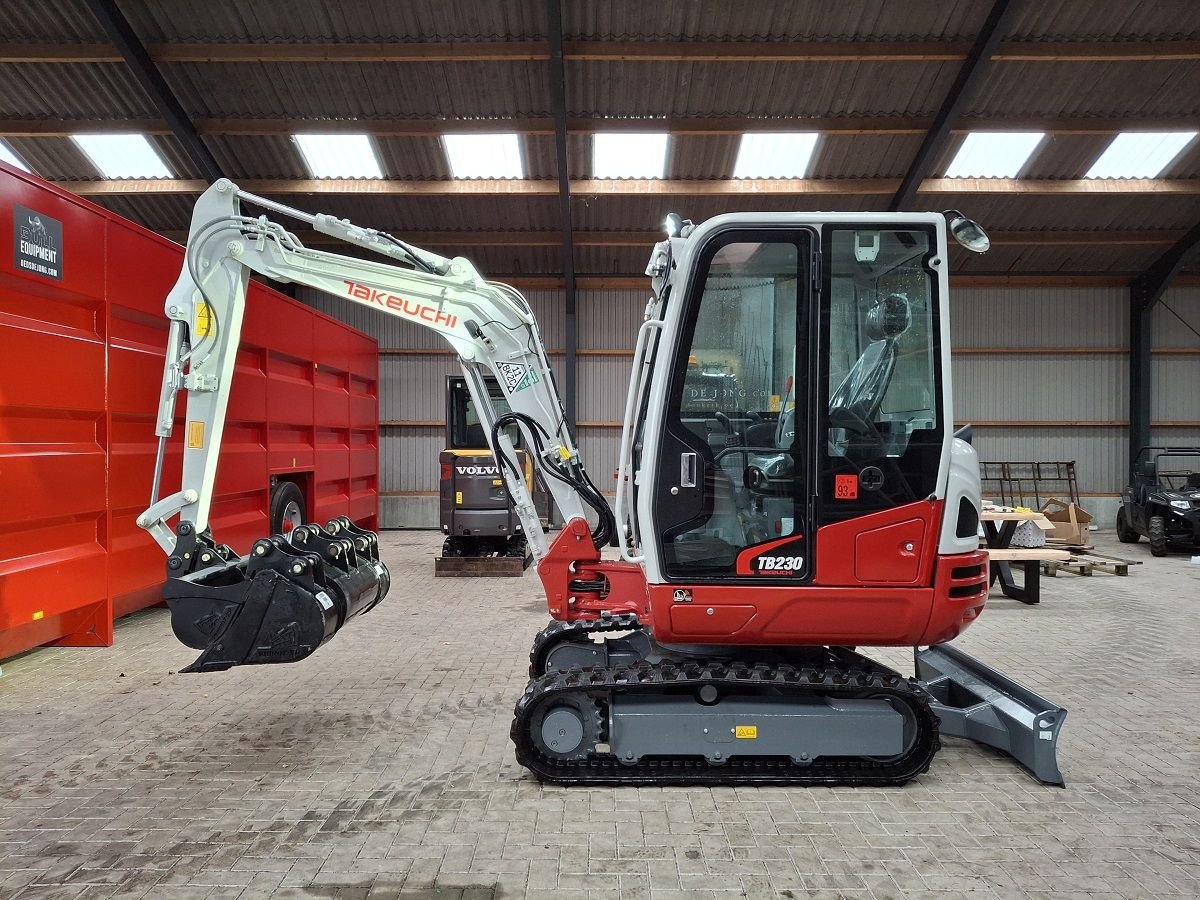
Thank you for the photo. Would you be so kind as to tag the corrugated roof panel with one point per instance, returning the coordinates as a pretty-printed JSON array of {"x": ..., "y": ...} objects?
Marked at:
[
  {"x": 53, "y": 158},
  {"x": 497, "y": 261},
  {"x": 1058, "y": 156},
  {"x": 703, "y": 157},
  {"x": 1187, "y": 164},
  {"x": 158, "y": 212},
  {"x": 179, "y": 162},
  {"x": 1090, "y": 21},
  {"x": 541, "y": 157},
  {"x": 361, "y": 90},
  {"x": 1025, "y": 89},
  {"x": 646, "y": 213},
  {"x": 75, "y": 91},
  {"x": 1065, "y": 156},
  {"x": 757, "y": 89},
  {"x": 415, "y": 158},
  {"x": 59, "y": 158},
  {"x": 1127, "y": 212},
  {"x": 750, "y": 20},
  {"x": 864, "y": 156},
  {"x": 276, "y": 156},
  {"x": 401, "y": 214},
  {"x": 1040, "y": 259},
  {"x": 579, "y": 156},
  {"x": 257, "y": 156},
  {"x": 348, "y": 20},
  {"x": 49, "y": 22}
]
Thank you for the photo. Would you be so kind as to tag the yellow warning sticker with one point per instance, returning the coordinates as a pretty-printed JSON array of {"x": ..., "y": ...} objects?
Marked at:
[
  {"x": 203, "y": 320},
  {"x": 496, "y": 482},
  {"x": 746, "y": 732},
  {"x": 773, "y": 403},
  {"x": 195, "y": 436},
  {"x": 40, "y": 614},
  {"x": 458, "y": 498}
]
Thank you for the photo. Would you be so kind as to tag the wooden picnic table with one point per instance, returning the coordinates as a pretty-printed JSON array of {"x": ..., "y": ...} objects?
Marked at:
[{"x": 999, "y": 526}]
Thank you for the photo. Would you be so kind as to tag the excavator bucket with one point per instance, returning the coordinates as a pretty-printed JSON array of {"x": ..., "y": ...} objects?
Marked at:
[
  {"x": 974, "y": 701},
  {"x": 279, "y": 603}
]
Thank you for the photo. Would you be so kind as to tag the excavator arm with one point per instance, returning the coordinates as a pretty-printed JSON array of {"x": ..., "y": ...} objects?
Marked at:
[
  {"x": 490, "y": 326},
  {"x": 330, "y": 574}
]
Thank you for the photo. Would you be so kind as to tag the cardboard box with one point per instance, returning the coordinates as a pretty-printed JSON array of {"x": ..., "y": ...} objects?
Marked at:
[{"x": 1070, "y": 521}]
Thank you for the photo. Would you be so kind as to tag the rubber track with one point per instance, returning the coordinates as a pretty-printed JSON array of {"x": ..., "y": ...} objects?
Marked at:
[
  {"x": 600, "y": 683},
  {"x": 557, "y": 633}
]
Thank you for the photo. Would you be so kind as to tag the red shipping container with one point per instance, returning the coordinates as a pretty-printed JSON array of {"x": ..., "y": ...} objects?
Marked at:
[{"x": 82, "y": 335}]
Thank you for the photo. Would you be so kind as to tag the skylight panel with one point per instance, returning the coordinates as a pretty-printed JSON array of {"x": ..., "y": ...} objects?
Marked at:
[
  {"x": 9, "y": 156},
  {"x": 775, "y": 155},
  {"x": 122, "y": 155},
  {"x": 1140, "y": 154},
  {"x": 484, "y": 155},
  {"x": 339, "y": 155},
  {"x": 999, "y": 154},
  {"x": 629, "y": 155}
]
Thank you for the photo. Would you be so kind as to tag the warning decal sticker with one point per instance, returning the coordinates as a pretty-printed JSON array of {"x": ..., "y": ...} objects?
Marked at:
[{"x": 516, "y": 377}]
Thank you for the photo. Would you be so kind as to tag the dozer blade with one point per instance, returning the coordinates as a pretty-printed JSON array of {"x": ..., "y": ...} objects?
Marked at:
[
  {"x": 279, "y": 603},
  {"x": 975, "y": 701}
]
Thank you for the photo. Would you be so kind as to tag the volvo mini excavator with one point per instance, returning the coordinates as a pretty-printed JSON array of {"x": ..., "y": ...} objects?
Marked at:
[
  {"x": 789, "y": 489},
  {"x": 483, "y": 534}
]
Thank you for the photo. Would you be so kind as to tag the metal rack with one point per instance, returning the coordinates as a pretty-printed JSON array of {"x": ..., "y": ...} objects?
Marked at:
[{"x": 1028, "y": 483}]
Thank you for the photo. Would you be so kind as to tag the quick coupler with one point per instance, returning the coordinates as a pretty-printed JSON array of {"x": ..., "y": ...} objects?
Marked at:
[{"x": 280, "y": 602}]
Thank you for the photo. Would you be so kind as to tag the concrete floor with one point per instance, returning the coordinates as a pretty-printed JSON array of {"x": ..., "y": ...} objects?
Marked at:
[{"x": 382, "y": 767}]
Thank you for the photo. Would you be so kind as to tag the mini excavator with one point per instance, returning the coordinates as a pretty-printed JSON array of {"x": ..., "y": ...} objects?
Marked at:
[{"x": 789, "y": 489}]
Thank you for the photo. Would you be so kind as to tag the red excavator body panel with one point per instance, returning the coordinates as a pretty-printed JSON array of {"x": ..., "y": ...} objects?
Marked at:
[{"x": 878, "y": 581}]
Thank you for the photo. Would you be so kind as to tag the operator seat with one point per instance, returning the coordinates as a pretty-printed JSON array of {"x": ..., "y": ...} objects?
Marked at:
[
  {"x": 475, "y": 437},
  {"x": 861, "y": 392}
]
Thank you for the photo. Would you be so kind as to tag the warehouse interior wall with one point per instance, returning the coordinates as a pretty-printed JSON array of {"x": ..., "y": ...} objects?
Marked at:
[{"x": 1041, "y": 372}]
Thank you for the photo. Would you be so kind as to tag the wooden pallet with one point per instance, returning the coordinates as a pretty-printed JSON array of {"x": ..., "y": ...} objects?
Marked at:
[
  {"x": 1064, "y": 545},
  {"x": 1087, "y": 563},
  {"x": 480, "y": 566}
]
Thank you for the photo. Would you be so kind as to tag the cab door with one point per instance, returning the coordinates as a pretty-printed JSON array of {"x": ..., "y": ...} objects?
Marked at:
[{"x": 731, "y": 492}]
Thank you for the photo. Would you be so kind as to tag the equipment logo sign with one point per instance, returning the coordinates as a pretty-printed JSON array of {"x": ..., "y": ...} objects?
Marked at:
[
  {"x": 37, "y": 243},
  {"x": 516, "y": 376}
]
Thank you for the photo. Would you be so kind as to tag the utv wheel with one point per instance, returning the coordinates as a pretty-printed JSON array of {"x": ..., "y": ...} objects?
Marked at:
[
  {"x": 1125, "y": 534},
  {"x": 287, "y": 507},
  {"x": 1158, "y": 536}
]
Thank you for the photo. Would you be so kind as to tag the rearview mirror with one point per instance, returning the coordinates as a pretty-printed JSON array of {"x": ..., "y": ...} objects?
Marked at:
[{"x": 968, "y": 232}]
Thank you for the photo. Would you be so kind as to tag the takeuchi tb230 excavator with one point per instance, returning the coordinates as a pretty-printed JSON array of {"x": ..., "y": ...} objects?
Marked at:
[{"x": 789, "y": 489}]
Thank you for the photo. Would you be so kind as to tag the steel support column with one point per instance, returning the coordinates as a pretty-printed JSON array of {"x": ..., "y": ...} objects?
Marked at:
[
  {"x": 146, "y": 72},
  {"x": 1144, "y": 293},
  {"x": 1141, "y": 349},
  {"x": 558, "y": 97}
]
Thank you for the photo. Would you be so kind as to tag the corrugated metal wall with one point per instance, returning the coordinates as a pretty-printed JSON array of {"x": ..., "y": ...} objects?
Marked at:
[{"x": 1022, "y": 356}]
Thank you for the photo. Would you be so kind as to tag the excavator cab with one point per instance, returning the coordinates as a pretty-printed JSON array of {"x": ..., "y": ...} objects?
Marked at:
[{"x": 817, "y": 422}]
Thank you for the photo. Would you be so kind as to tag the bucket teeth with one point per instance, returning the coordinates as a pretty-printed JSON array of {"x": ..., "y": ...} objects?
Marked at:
[{"x": 279, "y": 603}]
